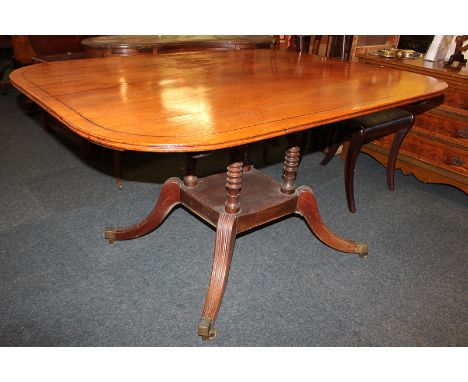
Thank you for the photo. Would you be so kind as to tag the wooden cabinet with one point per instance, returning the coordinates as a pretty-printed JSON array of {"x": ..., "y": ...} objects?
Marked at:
[{"x": 436, "y": 148}]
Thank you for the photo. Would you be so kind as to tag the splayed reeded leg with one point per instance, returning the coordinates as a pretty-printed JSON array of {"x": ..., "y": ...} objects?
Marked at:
[
  {"x": 307, "y": 207},
  {"x": 168, "y": 199},
  {"x": 226, "y": 230},
  {"x": 224, "y": 246}
]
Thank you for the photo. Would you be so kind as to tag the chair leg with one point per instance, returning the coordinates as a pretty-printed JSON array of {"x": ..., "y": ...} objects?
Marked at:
[
  {"x": 397, "y": 141},
  {"x": 305, "y": 136},
  {"x": 331, "y": 151},
  {"x": 357, "y": 140}
]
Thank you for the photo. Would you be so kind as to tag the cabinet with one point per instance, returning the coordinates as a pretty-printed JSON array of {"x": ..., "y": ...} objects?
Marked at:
[{"x": 436, "y": 148}]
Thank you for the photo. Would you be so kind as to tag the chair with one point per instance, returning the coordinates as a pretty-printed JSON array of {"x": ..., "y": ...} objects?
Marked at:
[{"x": 364, "y": 129}]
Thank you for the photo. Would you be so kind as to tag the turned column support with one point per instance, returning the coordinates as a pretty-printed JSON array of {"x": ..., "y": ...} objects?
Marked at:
[
  {"x": 233, "y": 187},
  {"x": 291, "y": 162}
]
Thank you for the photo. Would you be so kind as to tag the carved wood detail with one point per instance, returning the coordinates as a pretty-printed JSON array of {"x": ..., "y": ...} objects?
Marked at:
[
  {"x": 233, "y": 187},
  {"x": 291, "y": 161}
]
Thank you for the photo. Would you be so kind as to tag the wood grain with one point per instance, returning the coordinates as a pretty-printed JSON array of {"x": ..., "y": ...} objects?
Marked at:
[{"x": 190, "y": 102}]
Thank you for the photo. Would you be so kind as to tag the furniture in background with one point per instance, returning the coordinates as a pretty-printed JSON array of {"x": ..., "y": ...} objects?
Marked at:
[
  {"x": 36, "y": 48},
  {"x": 436, "y": 148},
  {"x": 364, "y": 43},
  {"x": 319, "y": 92},
  {"x": 29, "y": 50},
  {"x": 105, "y": 46},
  {"x": 108, "y": 46},
  {"x": 363, "y": 129}
]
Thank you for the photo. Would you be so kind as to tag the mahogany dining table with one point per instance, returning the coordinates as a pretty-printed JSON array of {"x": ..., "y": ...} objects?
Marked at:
[{"x": 196, "y": 102}]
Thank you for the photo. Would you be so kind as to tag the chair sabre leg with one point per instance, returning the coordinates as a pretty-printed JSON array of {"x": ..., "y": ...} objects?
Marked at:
[
  {"x": 392, "y": 157},
  {"x": 357, "y": 140},
  {"x": 331, "y": 151}
]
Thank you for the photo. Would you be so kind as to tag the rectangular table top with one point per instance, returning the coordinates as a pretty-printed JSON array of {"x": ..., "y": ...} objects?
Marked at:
[{"x": 202, "y": 101}]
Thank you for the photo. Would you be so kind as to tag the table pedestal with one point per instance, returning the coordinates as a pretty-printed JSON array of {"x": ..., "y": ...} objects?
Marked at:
[{"x": 234, "y": 203}]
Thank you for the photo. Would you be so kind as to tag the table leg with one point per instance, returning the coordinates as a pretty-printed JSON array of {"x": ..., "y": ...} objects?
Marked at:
[
  {"x": 262, "y": 201},
  {"x": 307, "y": 207},
  {"x": 226, "y": 231},
  {"x": 224, "y": 246},
  {"x": 168, "y": 199}
]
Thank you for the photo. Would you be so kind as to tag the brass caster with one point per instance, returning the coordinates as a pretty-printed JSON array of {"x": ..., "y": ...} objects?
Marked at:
[
  {"x": 206, "y": 330},
  {"x": 110, "y": 235},
  {"x": 211, "y": 336},
  {"x": 363, "y": 250}
]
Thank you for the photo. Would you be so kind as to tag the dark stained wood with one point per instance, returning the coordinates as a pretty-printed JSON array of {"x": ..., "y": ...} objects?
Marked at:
[
  {"x": 27, "y": 48},
  {"x": 168, "y": 199},
  {"x": 308, "y": 208},
  {"x": 360, "y": 131},
  {"x": 207, "y": 199},
  {"x": 224, "y": 247},
  {"x": 398, "y": 138},
  {"x": 207, "y": 202},
  {"x": 233, "y": 187},
  {"x": 291, "y": 161}
]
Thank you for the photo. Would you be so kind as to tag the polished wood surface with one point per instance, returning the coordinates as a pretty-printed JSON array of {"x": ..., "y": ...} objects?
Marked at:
[
  {"x": 436, "y": 148},
  {"x": 203, "y": 101},
  {"x": 105, "y": 46}
]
